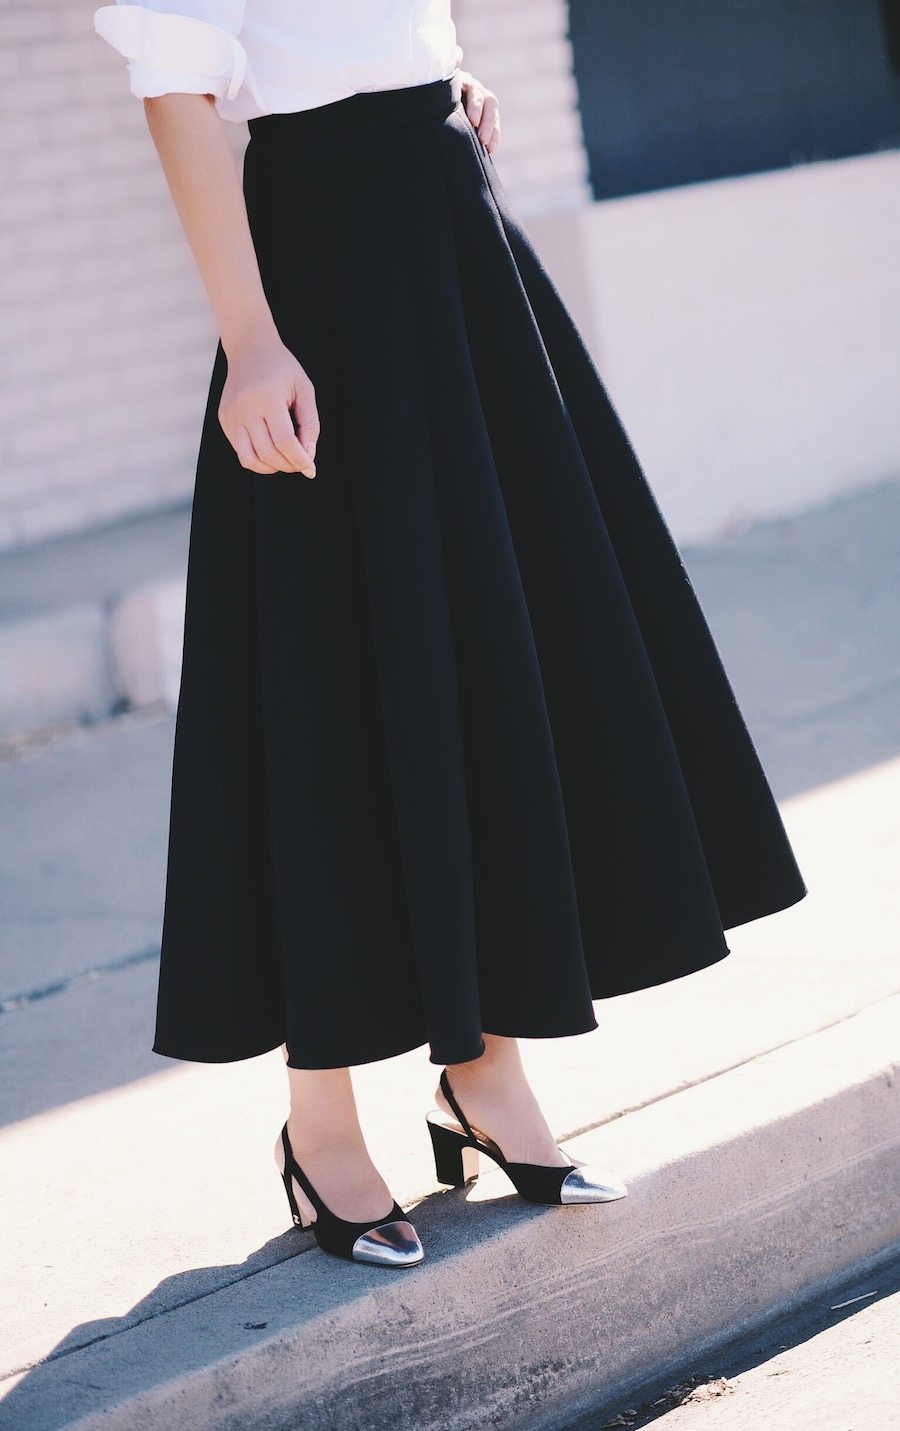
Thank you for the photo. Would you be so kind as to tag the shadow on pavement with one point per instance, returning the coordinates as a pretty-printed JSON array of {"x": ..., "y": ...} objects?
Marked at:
[
  {"x": 33, "y": 1403},
  {"x": 254, "y": 1304}
]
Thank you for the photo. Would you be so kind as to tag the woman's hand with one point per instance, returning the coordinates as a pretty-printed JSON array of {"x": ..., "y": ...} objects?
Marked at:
[
  {"x": 482, "y": 110},
  {"x": 268, "y": 408}
]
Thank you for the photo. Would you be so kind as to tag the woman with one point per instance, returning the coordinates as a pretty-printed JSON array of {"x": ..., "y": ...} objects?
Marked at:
[{"x": 455, "y": 753}]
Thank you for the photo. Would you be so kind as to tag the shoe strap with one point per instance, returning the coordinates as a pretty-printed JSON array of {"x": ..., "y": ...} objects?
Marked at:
[
  {"x": 294, "y": 1170},
  {"x": 451, "y": 1099}
]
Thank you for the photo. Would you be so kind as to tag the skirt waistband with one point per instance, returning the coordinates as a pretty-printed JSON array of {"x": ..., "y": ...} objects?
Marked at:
[{"x": 410, "y": 104}]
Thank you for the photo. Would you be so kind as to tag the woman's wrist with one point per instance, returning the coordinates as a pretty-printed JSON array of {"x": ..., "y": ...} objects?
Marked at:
[{"x": 246, "y": 329}]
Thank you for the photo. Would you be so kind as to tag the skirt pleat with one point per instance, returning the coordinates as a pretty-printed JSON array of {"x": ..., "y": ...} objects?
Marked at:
[{"x": 455, "y": 751}]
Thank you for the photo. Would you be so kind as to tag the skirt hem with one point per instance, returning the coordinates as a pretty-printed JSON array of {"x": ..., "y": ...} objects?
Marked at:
[{"x": 418, "y": 1039}]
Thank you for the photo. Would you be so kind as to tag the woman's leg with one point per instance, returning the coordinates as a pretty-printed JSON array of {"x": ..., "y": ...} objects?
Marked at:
[
  {"x": 495, "y": 1096},
  {"x": 327, "y": 1142}
]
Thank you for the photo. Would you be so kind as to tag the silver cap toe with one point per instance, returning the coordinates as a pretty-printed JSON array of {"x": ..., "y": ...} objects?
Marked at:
[
  {"x": 591, "y": 1184},
  {"x": 394, "y": 1244}
]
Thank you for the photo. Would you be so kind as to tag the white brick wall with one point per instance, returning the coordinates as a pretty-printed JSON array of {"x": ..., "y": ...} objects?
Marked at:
[
  {"x": 106, "y": 338},
  {"x": 105, "y": 335}
]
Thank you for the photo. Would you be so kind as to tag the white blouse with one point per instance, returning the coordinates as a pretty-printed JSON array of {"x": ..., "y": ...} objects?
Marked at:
[{"x": 272, "y": 56}]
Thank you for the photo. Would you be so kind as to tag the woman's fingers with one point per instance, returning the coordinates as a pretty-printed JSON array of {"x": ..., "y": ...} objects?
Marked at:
[
  {"x": 474, "y": 102},
  {"x": 263, "y": 445},
  {"x": 285, "y": 440},
  {"x": 306, "y": 416},
  {"x": 247, "y": 454},
  {"x": 483, "y": 112},
  {"x": 489, "y": 127}
]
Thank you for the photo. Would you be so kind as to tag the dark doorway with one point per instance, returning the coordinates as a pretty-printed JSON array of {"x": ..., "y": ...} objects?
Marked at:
[{"x": 676, "y": 91}]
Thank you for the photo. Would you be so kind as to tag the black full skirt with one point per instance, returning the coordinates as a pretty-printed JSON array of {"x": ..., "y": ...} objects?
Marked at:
[{"x": 455, "y": 750}]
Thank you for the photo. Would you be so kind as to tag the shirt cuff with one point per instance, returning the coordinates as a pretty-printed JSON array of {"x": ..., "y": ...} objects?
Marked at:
[{"x": 173, "y": 53}]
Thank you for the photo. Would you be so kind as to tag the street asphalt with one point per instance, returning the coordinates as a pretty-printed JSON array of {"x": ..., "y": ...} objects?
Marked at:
[{"x": 829, "y": 1365}]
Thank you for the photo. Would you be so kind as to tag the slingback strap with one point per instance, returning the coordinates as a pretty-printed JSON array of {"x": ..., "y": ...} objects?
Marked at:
[
  {"x": 330, "y": 1229},
  {"x": 294, "y": 1170},
  {"x": 451, "y": 1099}
]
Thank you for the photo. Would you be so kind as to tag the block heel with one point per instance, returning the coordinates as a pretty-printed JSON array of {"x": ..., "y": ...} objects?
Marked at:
[{"x": 456, "y": 1160}]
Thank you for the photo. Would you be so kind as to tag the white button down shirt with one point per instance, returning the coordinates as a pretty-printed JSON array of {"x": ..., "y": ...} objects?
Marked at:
[{"x": 274, "y": 56}]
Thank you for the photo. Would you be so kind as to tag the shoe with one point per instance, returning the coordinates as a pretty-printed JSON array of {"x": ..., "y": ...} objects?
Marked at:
[
  {"x": 391, "y": 1242},
  {"x": 456, "y": 1163}
]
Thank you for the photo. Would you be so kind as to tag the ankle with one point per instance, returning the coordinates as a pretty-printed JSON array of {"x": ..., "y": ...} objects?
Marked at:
[
  {"x": 312, "y": 1139},
  {"x": 500, "y": 1062}
]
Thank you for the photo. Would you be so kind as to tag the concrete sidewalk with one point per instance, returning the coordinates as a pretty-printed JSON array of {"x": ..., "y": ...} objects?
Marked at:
[{"x": 752, "y": 1107}]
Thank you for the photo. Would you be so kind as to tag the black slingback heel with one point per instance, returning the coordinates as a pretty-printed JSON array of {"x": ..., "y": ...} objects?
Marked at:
[
  {"x": 391, "y": 1242},
  {"x": 456, "y": 1163}
]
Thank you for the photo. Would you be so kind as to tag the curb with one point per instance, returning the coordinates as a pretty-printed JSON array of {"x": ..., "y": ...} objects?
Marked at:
[
  {"x": 55, "y": 668},
  {"x": 746, "y": 1192},
  {"x": 92, "y": 659}
]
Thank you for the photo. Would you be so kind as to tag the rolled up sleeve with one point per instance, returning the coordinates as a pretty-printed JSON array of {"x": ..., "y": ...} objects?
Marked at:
[{"x": 193, "y": 49}]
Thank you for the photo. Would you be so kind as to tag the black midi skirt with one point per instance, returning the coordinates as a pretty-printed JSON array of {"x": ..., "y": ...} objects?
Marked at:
[{"x": 455, "y": 751}]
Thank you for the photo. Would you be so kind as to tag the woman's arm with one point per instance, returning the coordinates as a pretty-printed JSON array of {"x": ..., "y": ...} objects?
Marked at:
[{"x": 267, "y": 394}]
